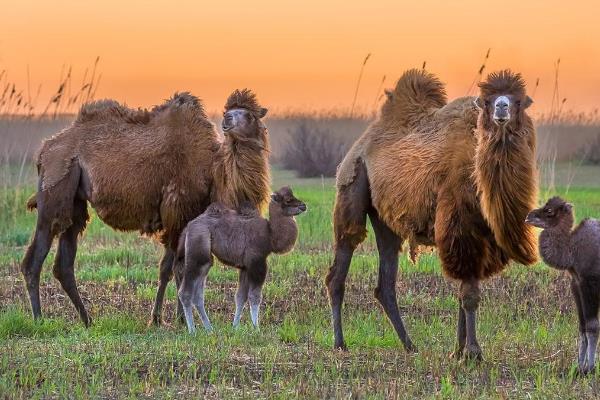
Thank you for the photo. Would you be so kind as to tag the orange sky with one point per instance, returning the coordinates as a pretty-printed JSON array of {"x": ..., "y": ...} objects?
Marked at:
[{"x": 298, "y": 55}]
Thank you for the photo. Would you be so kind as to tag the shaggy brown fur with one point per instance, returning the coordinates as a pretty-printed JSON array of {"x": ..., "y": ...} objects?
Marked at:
[
  {"x": 438, "y": 174},
  {"x": 150, "y": 171},
  {"x": 241, "y": 168},
  {"x": 578, "y": 252},
  {"x": 104, "y": 142},
  {"x": 241, "y": 239}
]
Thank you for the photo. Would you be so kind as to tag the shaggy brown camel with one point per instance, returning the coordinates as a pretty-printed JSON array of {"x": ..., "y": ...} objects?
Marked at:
[
  {"x": 241, "y": 239},
  {"x": 240, "y": 171},
  {"x": 459, "y": 176},
  {"x": 150, "y": 171},
  {"x": 578, "y": 252}
]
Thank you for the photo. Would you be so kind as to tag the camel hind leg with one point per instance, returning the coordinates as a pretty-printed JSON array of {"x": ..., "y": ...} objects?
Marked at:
[
  {"x": 55, "y": 211},
  {"x": 241, "y": 297},
  {"x": 165, "y": 275},
  {"x": 197, "y": 263},
  {"x": 31, "y": 266},
  {"x": 388, "y": 245},
  {"x": 349, "y": 219},
  {"x": 65, "y": 258}
]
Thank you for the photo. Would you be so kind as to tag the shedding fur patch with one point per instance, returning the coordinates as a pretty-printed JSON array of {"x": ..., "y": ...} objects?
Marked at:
[
  {"x": 55, "y": 160},
  {"x": 346, "y": 171}
]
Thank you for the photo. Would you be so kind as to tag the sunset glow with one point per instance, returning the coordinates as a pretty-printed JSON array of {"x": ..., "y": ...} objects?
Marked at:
[{"x": 299, "y": 55}]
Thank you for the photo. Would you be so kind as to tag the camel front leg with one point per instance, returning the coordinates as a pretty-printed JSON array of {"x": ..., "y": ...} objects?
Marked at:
[
  {"x": 165, "y": 275},
  {"x": 583, "y": 343},
  {"x": 591, "y": 303},
  {"x": 470, "y": 296},
  {"x": 241, "y": 296},
  {"x": 256, "y": 279},
  {"x": 461, "y": 333}
]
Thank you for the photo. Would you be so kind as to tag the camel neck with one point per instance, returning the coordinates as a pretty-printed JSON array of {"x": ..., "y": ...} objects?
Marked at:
[
  {"x": 284, "y": 230},
  {"x": 506, "y": 178},
  {"x": 555, "y": 246},
  {"x": 242, "y": 173}
]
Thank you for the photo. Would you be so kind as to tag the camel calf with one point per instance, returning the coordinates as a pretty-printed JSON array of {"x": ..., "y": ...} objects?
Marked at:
[
  {"x": 576, "y": 250},
  {"x": 241, "y": 239}
]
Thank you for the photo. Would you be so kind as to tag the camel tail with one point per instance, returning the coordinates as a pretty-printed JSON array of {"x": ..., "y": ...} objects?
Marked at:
[
  {"x": 420, "y": 91},
  {"x": 32, "y": 202}
]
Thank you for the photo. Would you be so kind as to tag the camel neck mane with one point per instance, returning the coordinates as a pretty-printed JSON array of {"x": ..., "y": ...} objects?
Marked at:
[
  {"x": 506, "y": 177},
  {"x": 241, "y": 173}
]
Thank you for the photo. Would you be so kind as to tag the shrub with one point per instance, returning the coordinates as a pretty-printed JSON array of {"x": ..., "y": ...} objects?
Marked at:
[
  {"x": 590, "y": 154},
  {"x": 313, "y": 152}
]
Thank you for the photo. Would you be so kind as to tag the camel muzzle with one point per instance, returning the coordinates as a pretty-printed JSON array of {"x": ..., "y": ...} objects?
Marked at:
[
  {"x": 501, "y": 110},
  {"x": 534, "y": 220}
]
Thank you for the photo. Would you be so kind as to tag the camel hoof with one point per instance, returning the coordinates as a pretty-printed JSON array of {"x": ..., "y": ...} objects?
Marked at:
[
  {"x": 473, "y": 353},
  {"x": 87, "y": 321},
  {"x": 584, "y": 370},
  {"x": 340, "y": 347},
  {"x": 457, "y": 354},
  {"x": 411, "y": 348}
]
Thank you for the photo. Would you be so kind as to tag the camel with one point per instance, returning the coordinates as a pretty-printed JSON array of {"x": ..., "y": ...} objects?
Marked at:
[
  {"x": 460, "y": 176},
  {"x": 151, "y": 171},
  {"x": 578, "y": 252},
  {"x": 241, "y": 239}
]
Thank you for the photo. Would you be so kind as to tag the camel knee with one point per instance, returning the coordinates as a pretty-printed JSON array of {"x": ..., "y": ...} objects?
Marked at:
[
  {"x": 165, "y": 275},
  {"x": 351, "y": 233},
  {"x": 592, "y": 326},
  {"x": 470, "y": 295},
  {"x": 185, "y": 296},
  {"x": 336, "y": 289},
  {"x": 255, "y": 295},
  {"x": 385, "y": 292}
]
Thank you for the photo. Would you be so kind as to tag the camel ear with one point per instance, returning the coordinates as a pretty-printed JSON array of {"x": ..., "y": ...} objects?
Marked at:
[
  {"x": 568, "y": 206},
  {"x": 527, "y": 102},
  {"x": 263, "y": 112},
  {"x": 389, "y": 94},
  {"x": 478, "y": 103},
  {"x": 276, "y": 197}
]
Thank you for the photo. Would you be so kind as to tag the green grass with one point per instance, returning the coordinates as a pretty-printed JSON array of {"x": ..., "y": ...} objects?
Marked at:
[{"x": 527, "y": 324}]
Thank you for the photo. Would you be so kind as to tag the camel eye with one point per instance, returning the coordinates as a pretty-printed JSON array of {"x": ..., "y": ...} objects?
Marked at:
[{"x": 549, "y": 211}]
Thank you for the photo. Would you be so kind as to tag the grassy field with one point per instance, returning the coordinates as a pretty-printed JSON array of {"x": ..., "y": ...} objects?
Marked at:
[{"x": 527, "y": 324}]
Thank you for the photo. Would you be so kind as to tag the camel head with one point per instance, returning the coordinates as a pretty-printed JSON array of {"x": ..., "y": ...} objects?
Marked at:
[
  {"x": 242, "y": 117},
  {"x": 289, "y": 204},
  {"x": 555, "y": 211},
  {"x": 502, "y": 101}
]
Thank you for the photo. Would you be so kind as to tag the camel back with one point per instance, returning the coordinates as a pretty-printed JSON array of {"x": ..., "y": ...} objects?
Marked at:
[{"x": 148, "y": 170}]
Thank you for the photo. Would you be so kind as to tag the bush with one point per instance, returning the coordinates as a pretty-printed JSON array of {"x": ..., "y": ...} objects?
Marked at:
[
  {"x": 590, "y": 154},
  {"x": 313, "y": 152}
]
